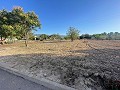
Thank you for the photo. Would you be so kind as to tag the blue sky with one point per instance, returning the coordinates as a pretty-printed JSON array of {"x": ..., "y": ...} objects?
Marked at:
[{"x": 56, "y": 16}]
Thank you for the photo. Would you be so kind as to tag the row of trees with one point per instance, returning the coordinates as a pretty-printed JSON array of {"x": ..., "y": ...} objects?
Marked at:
[
  {"x": 102, "y": 36},
  {"x": 43, "y": 37},
  {"x": 72, "y": 34},
  {"x": 17, "y": 23}
]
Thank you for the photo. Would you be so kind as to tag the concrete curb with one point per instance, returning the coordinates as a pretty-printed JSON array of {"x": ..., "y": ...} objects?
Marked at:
[{"x": 42, "y": 81}]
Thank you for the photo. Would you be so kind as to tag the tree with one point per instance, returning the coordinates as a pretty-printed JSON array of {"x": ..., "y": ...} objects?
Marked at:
[
  {"x": 55, "y": 37},
  {"x": 3, "y": 23},
  {"x": 73, "y": 33},
  {"x": 27, "y": 22},
  {"x": 66, "y": 38},
  {"x": 86, "y": 36},
  {"x": 97, "y": 36},
  {"x": 18, "y": 23},
  {"x": 43, "y": 37}
]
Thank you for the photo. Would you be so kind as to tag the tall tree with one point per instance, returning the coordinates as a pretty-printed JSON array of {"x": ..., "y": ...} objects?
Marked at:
[
  {"x": 27, "y": 22},
  {"x": 3, "y": 22},
  {"x": 17, "y": 23},
  {"x": 73, "y": 33}
]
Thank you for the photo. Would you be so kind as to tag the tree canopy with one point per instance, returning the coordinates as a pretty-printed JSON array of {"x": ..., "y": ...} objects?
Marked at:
[
  {"x": 73, "y": 33},
  {"x": 43, "y": 37},
  {"x": 102, "y": 36},
  {"x": 18, "y": 23}
]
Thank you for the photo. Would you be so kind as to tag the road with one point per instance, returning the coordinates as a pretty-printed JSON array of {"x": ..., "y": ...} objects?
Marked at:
[{"x": 9, "y": 81}]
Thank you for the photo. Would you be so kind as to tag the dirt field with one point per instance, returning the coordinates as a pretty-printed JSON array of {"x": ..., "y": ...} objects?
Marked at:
[{"x": 84, "y": 65}]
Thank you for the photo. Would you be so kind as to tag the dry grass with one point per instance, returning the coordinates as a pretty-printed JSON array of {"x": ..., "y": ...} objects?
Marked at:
[{"x": 60, "y": 48}]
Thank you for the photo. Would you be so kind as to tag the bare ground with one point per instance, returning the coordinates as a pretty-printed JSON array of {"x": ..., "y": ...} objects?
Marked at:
[{"x": 84, "y": 65}]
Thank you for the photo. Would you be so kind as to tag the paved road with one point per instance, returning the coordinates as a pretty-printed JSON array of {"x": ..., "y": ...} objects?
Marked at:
[{"x": 9, "y": 81}]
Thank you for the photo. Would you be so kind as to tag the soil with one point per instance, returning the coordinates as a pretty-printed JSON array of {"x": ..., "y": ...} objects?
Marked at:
[{"x": 81, "y": 64}]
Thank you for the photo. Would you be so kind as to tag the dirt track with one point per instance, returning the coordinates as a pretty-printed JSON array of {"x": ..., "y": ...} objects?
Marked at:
[{"x": 81, "y": 64}]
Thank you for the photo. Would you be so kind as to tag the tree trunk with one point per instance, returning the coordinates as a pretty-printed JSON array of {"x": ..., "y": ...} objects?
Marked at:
[
  {"x": 26, "y": 43},
  {"x": 11, "y": 39},
  {"x": 26, "y": 39},
  {"x": 1, "y": 38},
  {"x": 72, "y": 39}
]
